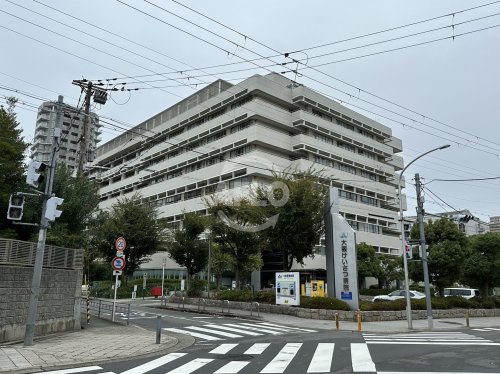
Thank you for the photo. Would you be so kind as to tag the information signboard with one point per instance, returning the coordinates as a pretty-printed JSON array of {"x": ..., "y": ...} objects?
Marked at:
[{"x": 287, "y": 288}]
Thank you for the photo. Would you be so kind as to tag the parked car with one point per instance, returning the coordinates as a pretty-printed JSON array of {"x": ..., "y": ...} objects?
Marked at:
[
  {"x": 466, "y": 293},
  {"x": 399, "y": 294}
]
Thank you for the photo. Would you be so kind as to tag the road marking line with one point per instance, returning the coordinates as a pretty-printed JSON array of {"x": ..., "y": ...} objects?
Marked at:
[
  {"x": 282, "y": 359},
  {"x": 322, "y": 359},
  {"x": 253, "y": 328},
  {"x": 191, "y": 333},
  {"x": 257, "y": 348},
  {"x": 191, "y": 366},
  {"x": 287, "y": 327},
  {"x": 480, "y": 330},
  {"x": 361, "y": 358},
  {"x": 148, "y": 366},
  {"x": 210, "y": 331},
  {"x": 232, "y": 367},
  {"x": 223, "y": 348},
  {"x": 74, "y": 370},
  {"x": 239, "y": 331},
  {"x": 430, "y": 372},
  {"x": 431, "y": 343},
  {"x": 429, "y": 340}
]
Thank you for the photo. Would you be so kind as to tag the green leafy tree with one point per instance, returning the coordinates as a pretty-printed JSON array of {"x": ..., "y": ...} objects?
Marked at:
[
  {"x": 367, "y": 262},
  {"x": 220, "y": 262},
  {"x": 482, "y": 266},
  {"x": 187, "y": 248},
  {"x": 81, "y": 200},
  {"x": 237, "y": 237},
  {"x": 12, "y": 175},
  {"x": 137, "y": 222},
  {"x": 448, "y": 249},
  {"x": 299, "y": 209},
  {"x": 391, "y": 270}
]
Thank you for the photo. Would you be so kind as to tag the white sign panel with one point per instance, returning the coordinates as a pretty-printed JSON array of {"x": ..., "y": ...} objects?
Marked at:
[
  {"x": 288, "y": 288},
  {"x": 117, "y": 272},
  {"x": 344, "y": 261}
]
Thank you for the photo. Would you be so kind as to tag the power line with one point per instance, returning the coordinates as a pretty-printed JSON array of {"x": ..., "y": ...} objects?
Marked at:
[{"x": 463, "y": 180}]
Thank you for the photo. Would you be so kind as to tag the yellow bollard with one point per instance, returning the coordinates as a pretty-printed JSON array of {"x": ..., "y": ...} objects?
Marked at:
[
  {"x": 359, "y": 320},
  {"x": 337, "y": 324}
]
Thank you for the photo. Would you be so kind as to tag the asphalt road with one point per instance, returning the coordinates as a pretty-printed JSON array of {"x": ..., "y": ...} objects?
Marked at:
[{"x": 261, "y": 347}]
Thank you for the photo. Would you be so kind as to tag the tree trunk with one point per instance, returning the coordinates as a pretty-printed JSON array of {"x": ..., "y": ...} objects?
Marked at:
[
  {"x": 219, "y": 279},
  {"x": 237, "y": 277}
]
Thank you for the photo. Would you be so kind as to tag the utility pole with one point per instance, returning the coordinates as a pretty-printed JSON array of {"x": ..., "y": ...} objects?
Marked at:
[
  {"x": 42, "y": 234},
  {"x": 83, "y": 138},
  {"x": 420, "y": 216}
]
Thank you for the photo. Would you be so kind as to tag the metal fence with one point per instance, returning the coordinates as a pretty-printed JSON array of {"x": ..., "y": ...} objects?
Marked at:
[
  {"x": 17, "y": 252},
  {"x": 104, "y": 309}
]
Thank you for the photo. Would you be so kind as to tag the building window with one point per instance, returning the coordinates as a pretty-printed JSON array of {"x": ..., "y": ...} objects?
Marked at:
[
  {"x": 348, "y": 195},
  {"x": 368, "y": 200},
  {"x": 322, "y": 115},
  {"x": 346, "y": 168},
  {"x": 323, "y": 138},
  {"x": 323, "y": 160},
  {"x": 366, "y": 174},
  {"x": 347, "y": 147}
]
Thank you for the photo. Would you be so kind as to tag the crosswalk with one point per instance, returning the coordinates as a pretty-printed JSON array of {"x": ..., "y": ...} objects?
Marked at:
[
  {"x": 262, "y": 358},
  {"x": 282, "y": 357},
  {"x": 213, "y": 332},
  {"x": 428, "y": 338}
]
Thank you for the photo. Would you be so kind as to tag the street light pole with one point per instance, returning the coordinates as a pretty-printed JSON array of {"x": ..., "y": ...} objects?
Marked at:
[
  {"x": 209, "y": 260},
  {"x": 164, "y": 263},
  {"x": 403, "y": 240}
]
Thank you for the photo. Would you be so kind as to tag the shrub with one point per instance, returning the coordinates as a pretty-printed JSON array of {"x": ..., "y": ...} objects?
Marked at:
[
  {"x": 323, "y": 303},
  {"x": 196, "y": 287}
]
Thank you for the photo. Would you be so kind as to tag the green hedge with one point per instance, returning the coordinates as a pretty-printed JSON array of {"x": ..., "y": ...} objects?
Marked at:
[
  {"x": 323, "y": 303},
  {"x": 267, "y": 297}
]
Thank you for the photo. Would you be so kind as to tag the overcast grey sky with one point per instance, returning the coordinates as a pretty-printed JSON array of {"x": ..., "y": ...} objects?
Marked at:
[{"x": 435, "y": 93}]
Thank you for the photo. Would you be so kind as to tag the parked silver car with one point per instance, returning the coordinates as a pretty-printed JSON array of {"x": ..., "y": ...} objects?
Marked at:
[{"x": 399, "y": 294}]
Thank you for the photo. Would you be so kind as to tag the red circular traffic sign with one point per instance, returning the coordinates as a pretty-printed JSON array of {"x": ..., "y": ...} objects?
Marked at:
[
  {"x": 120, "y": 243},
  {"x": 118, "y": 263}
]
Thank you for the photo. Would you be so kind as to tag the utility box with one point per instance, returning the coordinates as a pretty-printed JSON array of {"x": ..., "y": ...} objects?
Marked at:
[
  {"x": 156, "y": 291},
  {"x": 317, "y": 288}
]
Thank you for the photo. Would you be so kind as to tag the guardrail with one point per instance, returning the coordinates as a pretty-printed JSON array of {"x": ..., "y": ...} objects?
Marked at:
[
  {"x": 257, "y": 306},
  {"x": 103, "y": 308}
]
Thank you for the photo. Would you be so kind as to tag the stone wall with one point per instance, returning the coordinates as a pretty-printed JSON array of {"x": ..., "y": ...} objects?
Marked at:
[
  {"x": 58, "y": 306},
  {"x": 367, "y": 316}
]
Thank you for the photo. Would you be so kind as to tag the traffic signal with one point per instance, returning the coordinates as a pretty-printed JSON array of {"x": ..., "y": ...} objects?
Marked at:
[
  {"x": 51, "y": 212},
  {"x": 16, "y": 206},
  {"x": 35, "y": 176},
  {"x": 466, "y": 218}
]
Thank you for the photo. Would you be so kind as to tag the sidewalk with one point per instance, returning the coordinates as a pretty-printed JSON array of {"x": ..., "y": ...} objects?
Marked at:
[
  {"x": 102, "y": 340},
  {"x": 98, "y": 342},
  {"x": 153, "y": 306}
]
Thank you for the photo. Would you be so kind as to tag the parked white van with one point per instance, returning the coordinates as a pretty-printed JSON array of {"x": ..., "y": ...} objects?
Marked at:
[{"x": 467, "y": 293}]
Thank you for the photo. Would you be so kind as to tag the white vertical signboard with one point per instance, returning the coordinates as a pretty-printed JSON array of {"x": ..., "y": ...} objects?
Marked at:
[
  {"x": 288, "y": 288},
  {"x": 344, "y": 261}
]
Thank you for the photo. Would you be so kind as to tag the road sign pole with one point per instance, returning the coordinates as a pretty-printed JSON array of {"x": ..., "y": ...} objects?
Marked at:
[{"x": 114, "y": 300}]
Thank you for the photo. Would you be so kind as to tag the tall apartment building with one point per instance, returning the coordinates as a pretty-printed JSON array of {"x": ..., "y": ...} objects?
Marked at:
[
  {"x": 71, "y": 132},
  {"x": 495, "y": 224},
  {"x": 231, "y": 137}
]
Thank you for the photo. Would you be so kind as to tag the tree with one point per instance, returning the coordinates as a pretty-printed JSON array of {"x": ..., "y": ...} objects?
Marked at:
[
  {"x": 220, "y": 263},
  {"x": 367, "y": 263},
  {"x": 187, "y": 248},
  {"x": 81, "y": 200},
  {"x": 12, "y": 176},
  {"x": 447, "y": 247},
  {"x": 137, "y": 222},
  {"x": 237, "y": 238},
  {"x": 298, "y": 203},
  {"x": 391, "y": 270},
  {"x": 482, "y": 267}
]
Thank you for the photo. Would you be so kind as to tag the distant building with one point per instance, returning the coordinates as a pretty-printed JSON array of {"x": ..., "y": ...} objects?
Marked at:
[
  {"x": 464, "y": 219},
  {"x": 495, "y": 224},
  {"x": 71, "y": 132}
]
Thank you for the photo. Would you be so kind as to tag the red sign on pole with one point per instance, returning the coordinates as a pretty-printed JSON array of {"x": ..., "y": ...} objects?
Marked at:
[
  {"x": 120, "y": 244},
  {"x": 118, "y": 263}
]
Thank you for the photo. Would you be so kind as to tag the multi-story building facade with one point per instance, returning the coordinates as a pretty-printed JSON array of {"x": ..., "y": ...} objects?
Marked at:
[
  {"x": 232, "y": 137},
  {"x": 495, "y": 224},
  {"x": 71, "y": 126}
]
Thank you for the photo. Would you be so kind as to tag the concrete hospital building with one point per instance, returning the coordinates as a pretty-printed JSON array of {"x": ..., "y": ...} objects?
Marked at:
[{"x": 230, "y": 137}]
